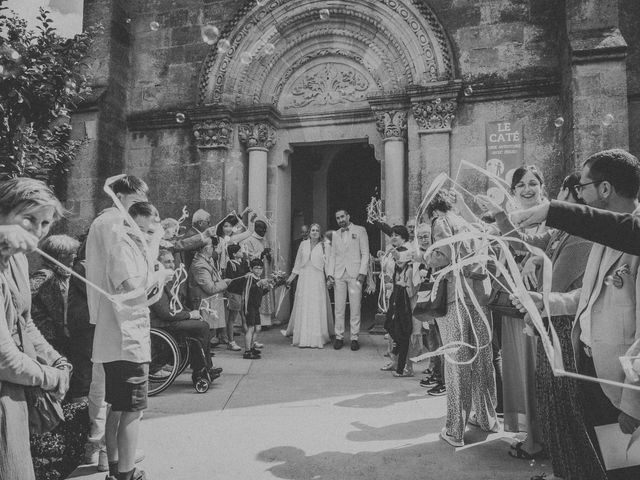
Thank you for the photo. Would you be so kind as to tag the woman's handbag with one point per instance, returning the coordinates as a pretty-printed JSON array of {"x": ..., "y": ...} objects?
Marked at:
[
  {"x": 45, "y": 412},
  {"x": 432, "y": 303},
  {"x": 500, "y": 303}
]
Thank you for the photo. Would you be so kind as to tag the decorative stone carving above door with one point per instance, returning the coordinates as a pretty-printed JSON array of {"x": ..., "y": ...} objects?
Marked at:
[{"x": 326, "y": 85}]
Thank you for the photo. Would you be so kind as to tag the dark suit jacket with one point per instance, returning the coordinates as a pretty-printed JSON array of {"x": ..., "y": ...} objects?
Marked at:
[
  {"x": 620, "y": 231},
  {"x": 160, "y": 312}
]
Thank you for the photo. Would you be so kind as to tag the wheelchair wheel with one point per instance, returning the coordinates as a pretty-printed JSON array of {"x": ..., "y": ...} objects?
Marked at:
[
  {"x": 201, "y": 385},
  {"x": 165, "y": 360},
  {"x": 184, "y": 346}
]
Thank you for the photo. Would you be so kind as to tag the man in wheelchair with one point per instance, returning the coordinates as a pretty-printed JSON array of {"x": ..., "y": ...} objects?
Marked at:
[{"x": 183, "y": 324}]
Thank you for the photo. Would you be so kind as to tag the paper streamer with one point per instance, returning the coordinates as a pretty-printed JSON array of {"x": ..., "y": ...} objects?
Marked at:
[
  {"x": 175, "y": 305},
  {"x": 184, "y": 216}
]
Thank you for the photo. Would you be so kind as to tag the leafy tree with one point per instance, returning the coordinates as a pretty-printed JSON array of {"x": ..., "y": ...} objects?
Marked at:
[{"x": 41, "y": 80}]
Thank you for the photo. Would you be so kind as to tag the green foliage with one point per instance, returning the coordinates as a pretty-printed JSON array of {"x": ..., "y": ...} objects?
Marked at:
[
  {"x": 41, "y": 80},
  {"x": 58, "y": 453}
]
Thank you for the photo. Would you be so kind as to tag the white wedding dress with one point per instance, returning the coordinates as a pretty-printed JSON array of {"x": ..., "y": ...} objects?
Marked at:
[{"x": 311, "y": 321}]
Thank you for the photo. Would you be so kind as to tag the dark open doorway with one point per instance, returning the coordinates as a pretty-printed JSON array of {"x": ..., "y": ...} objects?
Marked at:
[{"x": 352, "y": 179}]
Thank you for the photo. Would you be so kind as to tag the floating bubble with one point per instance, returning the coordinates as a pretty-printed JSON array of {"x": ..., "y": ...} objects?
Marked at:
[
  {"x": 224, "y": 45},
  {"x": 558, "y": 122},
  {"x": 324, "y": 14},
  {"x": 246, "y": 58},
  {"x": 532, "y": 463},
  {"x": 607, "y": 120},
  {"x": 154, "y": 26},
  {"x": 127, "y": 21},
  {"x": 269, "y": 48},
  {"x": 210, "y": 34},
  {"x": 468, "y": 91},
  {"x": 180, "y": 118},
  {"x": 438, "y": 101}
]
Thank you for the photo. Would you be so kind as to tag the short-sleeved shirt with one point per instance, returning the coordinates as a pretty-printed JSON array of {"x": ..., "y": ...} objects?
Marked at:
[{"x": 124, "y": 334}]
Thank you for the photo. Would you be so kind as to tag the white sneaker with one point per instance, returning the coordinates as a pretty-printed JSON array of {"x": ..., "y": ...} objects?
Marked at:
[
  {"x": 103, "y": 460},
  {"x": 234, "y": 346},
  {"x": 449, "y": 439}
]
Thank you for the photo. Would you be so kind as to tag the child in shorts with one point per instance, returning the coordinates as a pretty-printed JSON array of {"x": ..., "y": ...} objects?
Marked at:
[
  {"x": 236, "y": 269},
  {"x": 255, "y": 288},
  {"x": 122, "y": 342}
]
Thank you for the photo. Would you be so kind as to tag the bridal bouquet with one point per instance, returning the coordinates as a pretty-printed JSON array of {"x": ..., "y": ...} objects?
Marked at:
[{"x": 278, "y": 278}]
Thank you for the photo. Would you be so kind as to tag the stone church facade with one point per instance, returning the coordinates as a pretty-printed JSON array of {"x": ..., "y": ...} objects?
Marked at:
[{"x": 306, "y": 105}]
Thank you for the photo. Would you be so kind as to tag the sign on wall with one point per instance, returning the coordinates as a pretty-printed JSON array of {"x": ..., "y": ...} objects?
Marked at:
[{"x": 505, "y": 147}]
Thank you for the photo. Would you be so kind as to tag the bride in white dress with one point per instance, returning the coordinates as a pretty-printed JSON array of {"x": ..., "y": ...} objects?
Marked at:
[{"x": 311, "y": 321}]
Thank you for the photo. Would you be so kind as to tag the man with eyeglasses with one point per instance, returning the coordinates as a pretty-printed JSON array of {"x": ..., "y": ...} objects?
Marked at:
[{"x": 606, "y": 307}]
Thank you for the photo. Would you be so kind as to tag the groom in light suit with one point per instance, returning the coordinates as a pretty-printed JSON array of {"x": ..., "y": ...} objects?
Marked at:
[{"x": 347, "y": 270}]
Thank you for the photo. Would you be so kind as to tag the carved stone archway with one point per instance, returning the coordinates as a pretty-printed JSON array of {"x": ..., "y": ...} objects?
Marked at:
[{"x": 298, "y": 76}]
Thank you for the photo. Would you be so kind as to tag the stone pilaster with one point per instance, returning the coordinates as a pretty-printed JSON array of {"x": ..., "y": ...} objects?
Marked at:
[
  {"x": 257, "y": 135},
  {"x": 434, "y": 118},
  {"x": 213, "y": 139}
]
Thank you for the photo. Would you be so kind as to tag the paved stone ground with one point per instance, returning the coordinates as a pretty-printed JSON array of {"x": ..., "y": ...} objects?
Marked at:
[{"x": 306, "y": 414}]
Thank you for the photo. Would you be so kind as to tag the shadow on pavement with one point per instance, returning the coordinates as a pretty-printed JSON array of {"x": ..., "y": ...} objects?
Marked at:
[
  {"x": 379, "y": 400},
  {"x": 425, "y": 460},
  {"x": 397, "y": 431}
]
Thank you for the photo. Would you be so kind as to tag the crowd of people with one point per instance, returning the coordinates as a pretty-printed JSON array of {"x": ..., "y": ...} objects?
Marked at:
[{"x": 207, "y": 282}]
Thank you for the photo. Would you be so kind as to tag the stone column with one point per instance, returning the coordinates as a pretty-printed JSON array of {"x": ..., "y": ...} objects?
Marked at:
[
  {"x": 392, "y": 125},
  {"x": 213, "y": 139},
  {"x": 434, "y": 119},
  {"x": 594, "y": 81},
  {"x": 258, "y": 138}
]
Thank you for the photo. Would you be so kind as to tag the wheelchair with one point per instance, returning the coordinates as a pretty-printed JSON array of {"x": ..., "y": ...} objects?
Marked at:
[{"x": 169, "y": 358}]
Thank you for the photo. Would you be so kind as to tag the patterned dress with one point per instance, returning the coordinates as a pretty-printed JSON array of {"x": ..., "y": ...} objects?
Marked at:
[{"x": 560, "y": 413}]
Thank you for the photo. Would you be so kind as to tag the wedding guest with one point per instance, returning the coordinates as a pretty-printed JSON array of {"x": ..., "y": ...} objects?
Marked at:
[
  {"x": 200, "y": 227},
  {"x": 257, "y": 247},
  {"x": 205, "y": 288},
  {"x": 399, "y": 316},
  {"x": 255, "y": 287},
  {"x": 183, "y": 322},
  {"x": 560, "y": 413},
  {"x": 178, "y": 244},
  {"x": 519, "y": 350},
  {"x": 607, "y": 323},
  {"x": 434, "y": 379},
  {"x": 229, "y": 233},
  {"x": 311, "y": 322},
  {"x": 28, "y": 208},
  {"x": 467, "y": 384},
  {"x": 347, "y": 271},
  {"x": 50, "y": 289},
  {"x": 237, "y": 268},
  {"x": 81, "y": 330},
  {"x": 102, "y": 235},
  {"x": 122, "y": 342}
]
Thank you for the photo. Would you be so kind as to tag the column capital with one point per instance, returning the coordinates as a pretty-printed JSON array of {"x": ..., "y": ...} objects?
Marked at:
[
  {"x": 435, "y": 115},
  {"x": 392, "y": 124},
  {"x": 257, "y": 135},
  {"x": 211, "y": 134}
]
